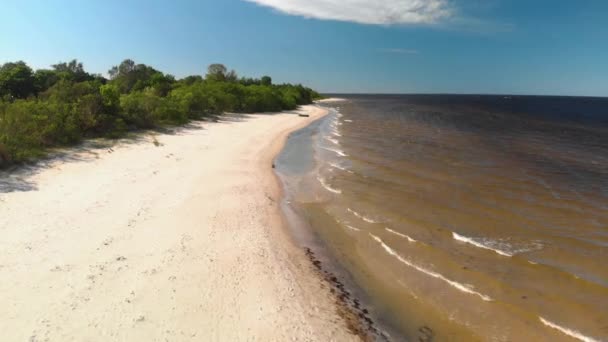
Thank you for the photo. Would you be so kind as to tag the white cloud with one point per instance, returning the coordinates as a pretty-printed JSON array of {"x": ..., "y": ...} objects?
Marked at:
[{"x": 378, "y": 12}]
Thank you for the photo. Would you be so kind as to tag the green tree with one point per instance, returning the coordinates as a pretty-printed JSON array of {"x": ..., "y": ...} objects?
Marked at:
[
  {"x": 44, "y": 79},
  {"x": 266, "y": 81},
  {"x": 216, "y": 72},
  {"x": 129, "y": 76},
  {"x": 110, "y": 95},
  {"x": 16, "y": 80},
  {"x": 189, "y": 80},
  {"x": 162, "y": 83},
  {"x": 72, "y": 70}
]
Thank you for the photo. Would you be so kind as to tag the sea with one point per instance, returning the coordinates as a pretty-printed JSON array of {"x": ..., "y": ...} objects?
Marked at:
[{"x": 459, "y": 217}]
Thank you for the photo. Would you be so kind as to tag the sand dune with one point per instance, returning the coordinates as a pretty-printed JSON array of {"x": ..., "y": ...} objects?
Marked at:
[{"x": 176, "y": 237}]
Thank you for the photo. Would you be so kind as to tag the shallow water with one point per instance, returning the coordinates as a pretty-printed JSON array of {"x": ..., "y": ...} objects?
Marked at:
[{"x": 481, "y": 218}]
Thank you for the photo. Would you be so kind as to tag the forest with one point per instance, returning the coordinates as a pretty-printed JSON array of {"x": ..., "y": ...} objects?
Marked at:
[{"x": 65, "y": 104}]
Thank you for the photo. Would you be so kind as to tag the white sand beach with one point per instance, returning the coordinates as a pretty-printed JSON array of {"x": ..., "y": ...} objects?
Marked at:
[{"x": 174, "y": 237}]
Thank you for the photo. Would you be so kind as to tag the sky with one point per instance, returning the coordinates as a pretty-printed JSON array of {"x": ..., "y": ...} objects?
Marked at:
[{"x": 539, "y": 47}]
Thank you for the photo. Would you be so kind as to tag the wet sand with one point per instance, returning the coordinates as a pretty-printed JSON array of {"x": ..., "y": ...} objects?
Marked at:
[{"x": 174, "y": 236}]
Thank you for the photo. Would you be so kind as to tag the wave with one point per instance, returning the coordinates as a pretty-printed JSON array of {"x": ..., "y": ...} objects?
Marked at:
[
  {"x": 462, "y": 287},
  {"x": 364, "y": 218},
  {"x": 338, "y": 152},
  {"x": 479, "y": 244},
  {"x": 400, "y": 234},
  {"x": 353, "y": 228},
  {"x": 346, "y": 120},
  {"x": 327, "y": 187},
  {"x": 500, "y": 246},
  {"x": 336, "y": 133},
  {"x": 334, "y": 165},
  {"x": 333, "y": 140},
  {"x": 569, "y": 332}
]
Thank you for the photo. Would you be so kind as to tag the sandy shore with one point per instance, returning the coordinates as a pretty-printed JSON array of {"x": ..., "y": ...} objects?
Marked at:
[{"x": 172, "y": 237}]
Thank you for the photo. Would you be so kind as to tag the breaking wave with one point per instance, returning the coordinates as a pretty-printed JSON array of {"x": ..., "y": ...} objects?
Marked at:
[
  {"x": 353, "y": 228},
  {"x": 327, "y": 187},
  {"x": 462, "y": 287},
  {"x": 334, "y": 165},
  {"x": 498, "y": 246},
  {"x": 364, "y": 218},
  {"x": 338, "y": 152},
  {"x": 399, "y": 234},
  {"x": 479, "y": 244},
  {"x": 335, "y": 141},
  {"x": 567, "y": 331}
]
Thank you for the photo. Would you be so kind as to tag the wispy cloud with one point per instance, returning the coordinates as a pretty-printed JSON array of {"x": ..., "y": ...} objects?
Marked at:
[
  {"x": 376, "y": 12},
  {"x": 401, "y": 51}
]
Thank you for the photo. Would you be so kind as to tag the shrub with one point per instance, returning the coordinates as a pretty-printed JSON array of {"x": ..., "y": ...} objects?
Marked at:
[
  {"x": 63, "y": 105},
  {"x": 137, "y": 108}
]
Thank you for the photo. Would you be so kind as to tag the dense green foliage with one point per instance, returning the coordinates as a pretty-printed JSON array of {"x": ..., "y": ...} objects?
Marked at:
[{"x": 65, "y": 104}]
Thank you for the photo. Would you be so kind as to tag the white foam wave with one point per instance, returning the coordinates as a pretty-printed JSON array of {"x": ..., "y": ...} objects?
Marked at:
[
  {"x": 353, "y": 228},
  {"x": 327, "y": 187},
  {"x": 479, "y": 244},
  {"x": 567, "y": 331},
  {"x": 505, "y": 247},
  {"x": 334, "y": 165},
  {"x": 399, "y": 234},
  {"x": 462, "y": 287},
  {"x": 366, "y": 219},
  {"x": 336, "y": 133},
  {"x": 346, "y": 120},
  {"x": 333, "y": 140},
  {"x": 338, "y": 152}
]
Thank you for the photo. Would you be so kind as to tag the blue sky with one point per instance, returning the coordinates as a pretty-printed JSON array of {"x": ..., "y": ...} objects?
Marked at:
[{"x": 393, "y": 46}]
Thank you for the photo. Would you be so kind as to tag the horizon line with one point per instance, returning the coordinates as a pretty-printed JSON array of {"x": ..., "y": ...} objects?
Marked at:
[{"x": 464, "y": 94}]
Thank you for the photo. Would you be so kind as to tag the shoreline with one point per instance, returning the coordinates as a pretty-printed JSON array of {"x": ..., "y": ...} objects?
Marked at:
[
  {"x": 144, "y": 241},
  {"x": 298, "y": 169}
]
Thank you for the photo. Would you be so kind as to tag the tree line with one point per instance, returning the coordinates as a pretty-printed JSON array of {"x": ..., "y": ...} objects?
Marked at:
[{"x": 65, "y": 104}]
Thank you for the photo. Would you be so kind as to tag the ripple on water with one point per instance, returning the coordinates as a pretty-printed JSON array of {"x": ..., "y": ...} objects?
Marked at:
[
  {"x": 570, "y": 332},
  {"x": 498, "y": 246},
  {"x": 462, "y": 287},
  {"x": 363, "y": 217}
]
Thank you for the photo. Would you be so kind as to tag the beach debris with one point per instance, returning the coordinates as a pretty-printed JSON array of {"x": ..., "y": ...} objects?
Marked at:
[
  {"x": 426, "y": 334},
  {"x": 156, "y": 142},
  {"x": 355, "y": 316},
  {"x": 304, "y": 115}
]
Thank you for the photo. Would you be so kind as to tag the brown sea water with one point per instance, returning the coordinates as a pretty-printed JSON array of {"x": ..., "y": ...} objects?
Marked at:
[{"x": 462, "y": 217}]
